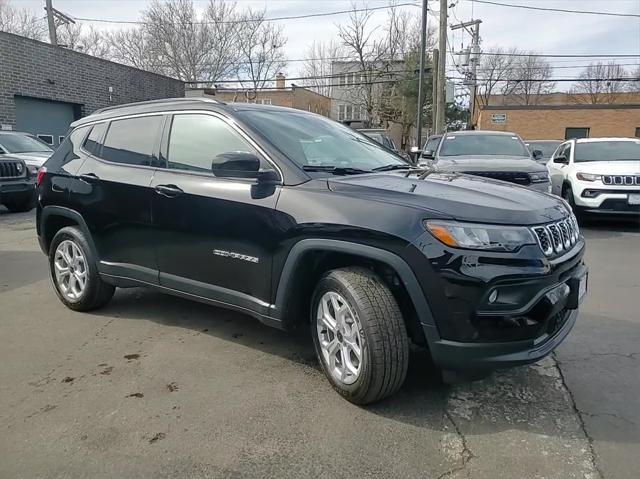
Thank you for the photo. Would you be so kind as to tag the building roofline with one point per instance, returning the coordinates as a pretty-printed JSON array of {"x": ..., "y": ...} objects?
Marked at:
[
  {"x": 74, "y": 52},
  {"x": 585, "y": 106}
]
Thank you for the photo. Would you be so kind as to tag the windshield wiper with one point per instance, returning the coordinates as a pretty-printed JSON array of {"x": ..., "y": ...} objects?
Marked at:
[
  {"x": 394, "y": 166},
  {"x": 336, "y": 170}
]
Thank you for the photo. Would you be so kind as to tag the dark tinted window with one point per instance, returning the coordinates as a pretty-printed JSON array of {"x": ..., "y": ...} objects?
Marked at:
[
  {"x": 546, "y": 147},
  {"x": 132, "y": 141},
  {"x": 69, "y": 148},
  {"x": 432, "y": 144},
  {"x": 197, "y": 139},
  {"x": 608, "y": 151},
  {"x": 571, "y": 133},
  {"x": 491, "y": 145},
  {"x": 94, "y": 140}
]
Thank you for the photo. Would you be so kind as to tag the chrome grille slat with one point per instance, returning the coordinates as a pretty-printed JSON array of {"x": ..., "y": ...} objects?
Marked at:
[
  {"x": 9, "y": 169},
  {"x": 621, "y": 179},
  {"x": 557, "y": 237}
]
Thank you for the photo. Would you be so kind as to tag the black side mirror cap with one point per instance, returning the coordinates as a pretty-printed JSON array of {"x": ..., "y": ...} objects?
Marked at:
[
  {"x": 236, "y": 165},
  {"x": 537, "y": 154},
  {"x": 561, "y": 159},
  {"x": 428, "y": 154}
]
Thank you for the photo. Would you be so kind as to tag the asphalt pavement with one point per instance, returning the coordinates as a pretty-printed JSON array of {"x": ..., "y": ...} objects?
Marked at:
[{"x": 156, "y": 386}]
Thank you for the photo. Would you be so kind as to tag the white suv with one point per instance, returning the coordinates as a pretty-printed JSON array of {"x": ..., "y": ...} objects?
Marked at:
[{"x": 598, "y": 175}]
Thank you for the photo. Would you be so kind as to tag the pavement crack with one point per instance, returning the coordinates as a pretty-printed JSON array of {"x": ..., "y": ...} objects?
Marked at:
[
  {"x": 580, "y": 416},
  {"x": 465, "y": 454}
]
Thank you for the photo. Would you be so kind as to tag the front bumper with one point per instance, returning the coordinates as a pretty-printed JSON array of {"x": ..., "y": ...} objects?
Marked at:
[
  {"x": 594, "y": 197},
  {"x": 535, "y": 308},
  {"x": 459, "y": 356},
  {"x": 19, "y": 187}
]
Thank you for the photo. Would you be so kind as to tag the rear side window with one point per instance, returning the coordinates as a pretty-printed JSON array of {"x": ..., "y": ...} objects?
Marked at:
[
  {"x": 197, "y": 139},
  {"x": 132, "y": 141},
  {"x": 94, "y": 140}
]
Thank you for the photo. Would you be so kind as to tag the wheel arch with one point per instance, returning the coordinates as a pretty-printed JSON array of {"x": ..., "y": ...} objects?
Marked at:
[
  {"x": 310, "y": 258},
  {"x": 54, "y": 218}
]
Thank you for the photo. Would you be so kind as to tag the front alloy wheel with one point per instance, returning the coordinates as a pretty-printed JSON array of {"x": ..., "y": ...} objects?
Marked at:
[
  {"x": 359, "y": 334},
  {"x": 70, "y": 270},
  {"x": 339, "y": 337}
]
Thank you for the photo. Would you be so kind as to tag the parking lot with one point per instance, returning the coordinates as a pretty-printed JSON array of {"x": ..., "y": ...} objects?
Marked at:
[{"x": 155, "y": 386}]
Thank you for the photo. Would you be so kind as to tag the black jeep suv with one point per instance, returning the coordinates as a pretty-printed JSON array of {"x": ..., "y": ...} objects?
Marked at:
[{"x": 301, "y": 221}]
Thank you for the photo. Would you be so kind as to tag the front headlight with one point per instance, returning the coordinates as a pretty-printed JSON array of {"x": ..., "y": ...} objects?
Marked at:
[
  {"x": 588, "y": 176},
  {"x": 542, "y": 177},
  {"x": 480, "y": 236}
]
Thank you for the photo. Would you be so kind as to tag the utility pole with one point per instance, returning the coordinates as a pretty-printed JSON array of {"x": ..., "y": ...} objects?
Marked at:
[
  {"x": 54, "y": 15},
  {"x": 471, "y": 66},
  {"x": 53, "y": 37},
  {"x": 442, "y": 66},
  {"x": 423, "y": 53},
  {"x": 434, "y": 89}
]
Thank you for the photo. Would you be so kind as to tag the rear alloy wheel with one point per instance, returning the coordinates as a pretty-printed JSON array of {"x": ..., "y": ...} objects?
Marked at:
[
  {"x": 359, "y": 335},
  {"x": 567, "y": 195},
  {"x": 74, "y": 272},
  {"x": 70, "y": 267}
]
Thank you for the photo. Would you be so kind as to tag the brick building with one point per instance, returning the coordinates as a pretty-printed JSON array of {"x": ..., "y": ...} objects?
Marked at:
[
  {"x": 43, "y": 88},
  {"x": 292, "y": 97},
  {"x": 561, "y": 116}
]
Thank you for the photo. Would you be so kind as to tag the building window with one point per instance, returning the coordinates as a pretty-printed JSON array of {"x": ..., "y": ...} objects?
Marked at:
[
  {"x": 637, "y": 132},
  {"x": 341, "y": 112},
  {"x": 572, "y": 133},
  {"x": 48, "y": 139},
  {"x": 342, "y": 80}
]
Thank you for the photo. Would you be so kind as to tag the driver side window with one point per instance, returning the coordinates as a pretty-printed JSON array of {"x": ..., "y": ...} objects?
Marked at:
[{"x": 196, "y": 139}]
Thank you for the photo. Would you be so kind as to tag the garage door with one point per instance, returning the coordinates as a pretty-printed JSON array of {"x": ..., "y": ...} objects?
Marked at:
[{"x": 48, "y": 120}]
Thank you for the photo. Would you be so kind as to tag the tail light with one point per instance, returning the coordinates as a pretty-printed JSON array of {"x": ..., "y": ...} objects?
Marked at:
[{"x": 41, "y": 172}]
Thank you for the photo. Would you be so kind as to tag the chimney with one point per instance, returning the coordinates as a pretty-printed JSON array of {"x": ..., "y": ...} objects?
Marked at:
[{"x": 280, "y": 78}]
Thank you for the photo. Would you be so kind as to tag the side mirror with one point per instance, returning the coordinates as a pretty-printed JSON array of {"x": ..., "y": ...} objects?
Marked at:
[
  {"x": 236, "y": 164},
  {"x": 537, "y": 154},
  {"x": 415, "y": 150},
  {"x": 429, "y": 154},
  {"x": 561, "y": 159}
]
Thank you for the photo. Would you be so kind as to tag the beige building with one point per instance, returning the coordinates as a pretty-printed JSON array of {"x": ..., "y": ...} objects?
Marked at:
[
  {"x": 292, "y": 97},
  {"x": 560, "y": 116}
]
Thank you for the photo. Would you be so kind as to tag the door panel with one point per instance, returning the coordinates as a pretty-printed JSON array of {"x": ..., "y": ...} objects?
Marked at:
[
  {"x": 112, "y": 190},
  {"x": 216, "y": 239}
]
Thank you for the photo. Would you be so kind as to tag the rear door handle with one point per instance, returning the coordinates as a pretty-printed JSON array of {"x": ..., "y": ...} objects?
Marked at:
[
  {"x": 170, "y": 191},
  {"x": 89, "y": 177}
]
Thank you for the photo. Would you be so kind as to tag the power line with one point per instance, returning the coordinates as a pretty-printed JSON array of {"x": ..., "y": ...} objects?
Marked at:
[
  {"x": 561, "y": 10},
  {"x": 245, "y": 20},
  {"x": 566, "y": 55}
]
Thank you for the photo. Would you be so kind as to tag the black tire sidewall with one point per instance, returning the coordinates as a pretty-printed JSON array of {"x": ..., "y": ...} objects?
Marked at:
[
  {"x": 359, "y": 387},
  {"x": 93, "y": 277}
]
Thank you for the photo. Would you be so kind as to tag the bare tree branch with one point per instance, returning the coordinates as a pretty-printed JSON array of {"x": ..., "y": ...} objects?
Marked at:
[
  {"x": 599, "y": 83},
  {"x": 21, "y": 21}
]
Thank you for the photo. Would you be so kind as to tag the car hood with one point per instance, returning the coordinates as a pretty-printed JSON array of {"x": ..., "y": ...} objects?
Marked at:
[
  {"x": 35, "y": 158},
  {"x": 489, "y": 163},
  {"x": 457, "y": 196},
  {"x": 609, "y": 167}
]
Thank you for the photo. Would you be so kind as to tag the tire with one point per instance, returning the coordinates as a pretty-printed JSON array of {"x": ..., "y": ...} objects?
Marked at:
[
  {"x": 95, "y": 293},
  {"x": 567, "y": 195},
  {"x": 379, "y": 331},
  {"x": 22, "y": 205}
]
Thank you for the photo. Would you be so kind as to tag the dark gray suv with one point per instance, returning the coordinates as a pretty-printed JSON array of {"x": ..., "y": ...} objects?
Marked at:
[{"x": 492, "y": 154}]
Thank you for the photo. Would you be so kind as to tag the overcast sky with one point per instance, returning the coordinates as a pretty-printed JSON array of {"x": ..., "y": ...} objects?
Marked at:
[{"x": 543, "y": 32}]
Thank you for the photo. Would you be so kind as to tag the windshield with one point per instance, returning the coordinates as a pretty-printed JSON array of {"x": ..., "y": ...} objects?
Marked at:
[
  {"x": 546, "y": 147},
  {"x": 13, "y": 143},
  {"x": 608, "y": 151},
  {"x": 315, "y": 141},
  {"x": 491, "y": 145}
]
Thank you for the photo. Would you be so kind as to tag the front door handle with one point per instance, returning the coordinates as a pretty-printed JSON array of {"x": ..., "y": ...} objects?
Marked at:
[
  {"x": 170, "y": 191},
  {"x": 89, "y": 177}
]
